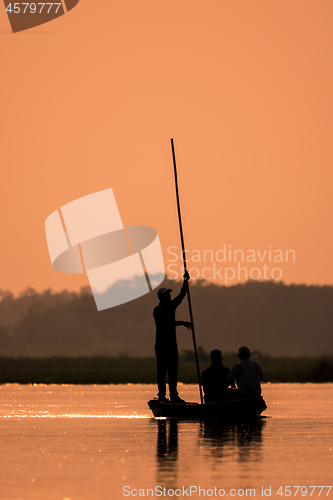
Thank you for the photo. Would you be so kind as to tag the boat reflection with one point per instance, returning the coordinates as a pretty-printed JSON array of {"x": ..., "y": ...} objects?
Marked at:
[
  {"x": 241, "y": 441},
  {"x": 245, "y": 438}
]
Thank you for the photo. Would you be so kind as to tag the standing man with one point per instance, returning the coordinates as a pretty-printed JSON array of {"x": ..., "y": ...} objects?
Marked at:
[
  {"x": 247, "y": 373},
  {"x": 166, "y": 341}
]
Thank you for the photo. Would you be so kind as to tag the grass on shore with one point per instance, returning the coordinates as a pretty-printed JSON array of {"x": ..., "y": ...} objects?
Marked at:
[{"x": 124, "y": 370}]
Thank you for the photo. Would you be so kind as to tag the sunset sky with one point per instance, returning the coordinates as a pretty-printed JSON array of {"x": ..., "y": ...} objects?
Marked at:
[{"x": 90, "y": 101}]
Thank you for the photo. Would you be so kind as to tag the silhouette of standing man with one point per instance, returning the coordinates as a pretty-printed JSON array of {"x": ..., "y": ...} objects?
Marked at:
[{"x": 166, "y": 341}]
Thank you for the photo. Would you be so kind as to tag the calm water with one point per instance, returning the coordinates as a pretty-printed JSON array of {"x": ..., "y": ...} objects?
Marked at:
[{"x": 89, "y": 442}]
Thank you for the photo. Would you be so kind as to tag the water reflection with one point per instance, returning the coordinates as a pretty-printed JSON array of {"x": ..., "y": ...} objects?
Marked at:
[
  {"x": 243, "y": 441},
  {"x": 243, "y": 438},
  {"x": 167, "y": 442},
  {"x": 167, "y": 452},
  {"x": 112, "y": 441}
]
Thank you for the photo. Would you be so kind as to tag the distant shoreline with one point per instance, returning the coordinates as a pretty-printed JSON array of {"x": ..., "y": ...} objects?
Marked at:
[
  {"x": 124, "y": 370},
  {"x": 271, "y": 318}
]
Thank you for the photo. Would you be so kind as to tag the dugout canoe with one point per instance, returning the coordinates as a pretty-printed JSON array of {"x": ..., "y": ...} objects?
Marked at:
[{"x": 229, "y": 411}]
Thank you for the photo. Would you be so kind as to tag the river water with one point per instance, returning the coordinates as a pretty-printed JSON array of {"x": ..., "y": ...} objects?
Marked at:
[{"x": 66, "y": 442}]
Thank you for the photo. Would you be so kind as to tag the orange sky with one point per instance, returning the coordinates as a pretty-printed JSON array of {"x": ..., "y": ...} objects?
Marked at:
[{"x": 91, "y": 100}]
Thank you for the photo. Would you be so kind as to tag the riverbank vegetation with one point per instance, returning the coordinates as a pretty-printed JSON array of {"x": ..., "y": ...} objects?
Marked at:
[
  {"x": 271, "y": 318},
  {"x": 122, "y": 370}
]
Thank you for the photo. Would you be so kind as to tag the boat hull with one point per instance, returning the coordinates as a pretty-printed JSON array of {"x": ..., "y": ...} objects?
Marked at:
[{"x": 236, "y": 410}]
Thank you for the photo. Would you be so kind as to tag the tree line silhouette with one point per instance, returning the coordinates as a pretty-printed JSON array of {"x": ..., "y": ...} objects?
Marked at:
[{"x": 272, "y": 318}]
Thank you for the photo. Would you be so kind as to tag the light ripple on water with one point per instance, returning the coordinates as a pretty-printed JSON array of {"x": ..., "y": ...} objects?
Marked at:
[{"x": 73, "y": 415}]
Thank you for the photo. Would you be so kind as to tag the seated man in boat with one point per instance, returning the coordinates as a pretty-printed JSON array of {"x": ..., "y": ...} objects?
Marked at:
[
  {"x": 166, "y": 341},
  {"x": 247, "y": 373},
  {"x": 214, "y": 378}
]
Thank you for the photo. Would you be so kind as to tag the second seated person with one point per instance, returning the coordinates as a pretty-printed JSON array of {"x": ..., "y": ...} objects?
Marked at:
[{"x": 247, "y": 373}]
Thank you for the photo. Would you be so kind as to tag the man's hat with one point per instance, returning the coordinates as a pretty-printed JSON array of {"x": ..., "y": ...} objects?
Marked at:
[
  {"x": 163, "y": 290},
  {"x": 244, "y": 350}
]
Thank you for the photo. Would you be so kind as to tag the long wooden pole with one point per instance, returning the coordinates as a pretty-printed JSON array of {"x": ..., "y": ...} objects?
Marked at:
[{"x": 185, "y": 269}]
